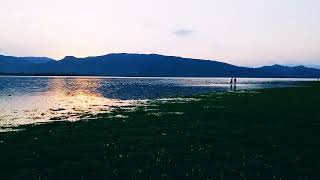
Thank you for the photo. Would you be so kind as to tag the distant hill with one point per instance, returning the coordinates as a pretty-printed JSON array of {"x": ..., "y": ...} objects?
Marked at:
[
  {"x": 11, "y": 64},
  {"x": 145, "y": 65}
]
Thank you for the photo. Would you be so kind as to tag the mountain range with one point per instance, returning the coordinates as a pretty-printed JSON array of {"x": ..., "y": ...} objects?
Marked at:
[{"x": 146, "y": 65}]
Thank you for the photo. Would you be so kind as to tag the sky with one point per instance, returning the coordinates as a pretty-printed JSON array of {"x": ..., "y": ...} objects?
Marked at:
[{"x": 246, "y": 32}]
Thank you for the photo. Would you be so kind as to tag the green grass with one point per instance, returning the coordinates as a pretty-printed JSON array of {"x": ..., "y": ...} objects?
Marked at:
[{"x": 268, "y": 134}]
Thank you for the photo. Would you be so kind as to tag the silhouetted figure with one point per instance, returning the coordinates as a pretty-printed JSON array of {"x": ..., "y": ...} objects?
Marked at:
[
  {"x": 231, "y": 84},
  {"x": 235, "y": 83}
]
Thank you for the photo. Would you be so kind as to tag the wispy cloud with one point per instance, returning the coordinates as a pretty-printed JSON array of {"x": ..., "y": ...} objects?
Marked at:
[{"x": 183, "y": 32}]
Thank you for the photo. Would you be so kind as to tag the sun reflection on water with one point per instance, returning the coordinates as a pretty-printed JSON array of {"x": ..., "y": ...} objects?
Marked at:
[{"x": 65, "y": 99}]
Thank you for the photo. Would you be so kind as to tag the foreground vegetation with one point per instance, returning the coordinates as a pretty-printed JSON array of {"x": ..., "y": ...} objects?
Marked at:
[{"x": 268, "y": 134}]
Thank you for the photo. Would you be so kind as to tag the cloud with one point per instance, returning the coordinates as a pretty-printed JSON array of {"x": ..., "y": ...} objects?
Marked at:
[{"x": 183, "y": 32}]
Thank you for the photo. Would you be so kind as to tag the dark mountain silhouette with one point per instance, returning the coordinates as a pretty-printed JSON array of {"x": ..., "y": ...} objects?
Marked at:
[
  {"x": 11, "y": 64},
  {"x": 145, "y": 65}
]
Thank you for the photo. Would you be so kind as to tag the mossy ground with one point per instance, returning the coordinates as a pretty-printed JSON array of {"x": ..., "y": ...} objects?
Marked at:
[{"x": 267, "y": 134}]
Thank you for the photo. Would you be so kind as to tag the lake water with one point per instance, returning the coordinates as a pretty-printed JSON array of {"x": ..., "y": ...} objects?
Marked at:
[{"x": 28, "y": 100}]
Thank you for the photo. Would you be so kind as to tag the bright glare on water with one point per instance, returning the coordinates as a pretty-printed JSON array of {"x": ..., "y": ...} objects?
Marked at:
[{"x": 29, "y": 100}]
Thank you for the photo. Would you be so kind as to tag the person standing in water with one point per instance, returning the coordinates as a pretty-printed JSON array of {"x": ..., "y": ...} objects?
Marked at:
[{"x": 235, "y": 81}]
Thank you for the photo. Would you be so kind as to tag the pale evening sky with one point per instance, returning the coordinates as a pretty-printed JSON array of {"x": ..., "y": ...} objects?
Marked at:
[{"x": 241, "y": 32}]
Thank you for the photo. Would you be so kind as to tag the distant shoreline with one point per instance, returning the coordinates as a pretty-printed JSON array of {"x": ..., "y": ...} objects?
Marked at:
[
  {"x": 113, "y": 76},
  {"x": 145, "y": 65}
]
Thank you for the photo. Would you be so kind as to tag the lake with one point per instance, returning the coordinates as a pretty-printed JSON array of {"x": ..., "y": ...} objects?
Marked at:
[{"x": 29, "y": 100}]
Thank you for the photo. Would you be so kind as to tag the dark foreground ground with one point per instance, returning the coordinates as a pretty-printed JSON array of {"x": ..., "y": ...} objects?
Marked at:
[{"x": 269, "y": 134}]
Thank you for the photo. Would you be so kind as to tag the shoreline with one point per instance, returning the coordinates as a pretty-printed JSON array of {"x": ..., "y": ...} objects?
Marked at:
[{"x": 158, "y": 77}]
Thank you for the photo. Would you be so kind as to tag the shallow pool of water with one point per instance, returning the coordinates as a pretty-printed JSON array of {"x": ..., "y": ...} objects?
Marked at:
[{"x": 29, "y": 100}]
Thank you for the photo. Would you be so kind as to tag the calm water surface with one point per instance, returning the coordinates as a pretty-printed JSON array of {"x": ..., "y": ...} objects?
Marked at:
[{"x": 28, "y": 100}]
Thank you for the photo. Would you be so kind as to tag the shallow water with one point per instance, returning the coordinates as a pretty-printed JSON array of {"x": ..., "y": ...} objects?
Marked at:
[{"x": 28, "y": 100}]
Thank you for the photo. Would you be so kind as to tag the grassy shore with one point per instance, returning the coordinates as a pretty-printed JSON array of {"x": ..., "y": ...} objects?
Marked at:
[{"x": 265, "y": 134}]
